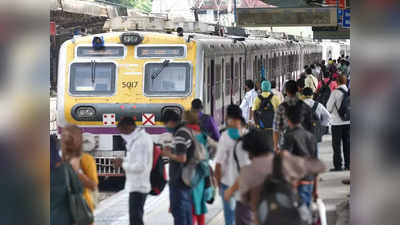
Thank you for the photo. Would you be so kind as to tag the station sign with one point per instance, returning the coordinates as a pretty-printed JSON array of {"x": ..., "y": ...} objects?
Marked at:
[
  {"x": 346, "y": 18},
  {"x": 341, "y": 4},
  {"x": 265, "y": 17},
  {"x": 340, "y": 16},
  {"x": 337, "y": 32}
]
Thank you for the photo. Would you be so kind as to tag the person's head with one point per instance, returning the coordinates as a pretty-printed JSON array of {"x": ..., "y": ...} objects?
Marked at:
[
  {"x": 347, "y": 57},
  {"x": 71, "y": 141},
  {"x": 309, "y": 71},
  {"x": 323, "y": 62},
  {"x": 312, "y": 67},
  {"x": 293, "y": 114},
  {"x": 171, "y": 119},
  {"x": 265, "y": 86},
  {"x": 307, "y": 92},
  {"x": 197, "y": 105},
  {"x": 190, "y": 117},
  {"x": 306, "y": 67},
  {"x": 342, "y": 79},
  {"x": 234, "y": 118},
  {"x": 300, "y": 84},
  {"x": 273, "y": 84},
  {"x": 126, "y": 125},
  {"x": 334, "y": 61},
  {"x": 256, "y": 144},
  {"x": 342, "y": 56},
  {"x": 327, "y": 74},
  {"x": 291, "y": 88},
  {"x": 248, "y": 85}
]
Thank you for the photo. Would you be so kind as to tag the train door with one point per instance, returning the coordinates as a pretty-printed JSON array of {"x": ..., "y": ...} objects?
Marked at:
[
  {"x": 211, "y": 87},
  {"x": 231, "y": 76},
  {"x": 223, "y": 78},
  {"x": 241, "y": 81}
]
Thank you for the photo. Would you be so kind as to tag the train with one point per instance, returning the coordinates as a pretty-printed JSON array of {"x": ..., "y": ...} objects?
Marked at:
[{"x": 143, "y": 74}]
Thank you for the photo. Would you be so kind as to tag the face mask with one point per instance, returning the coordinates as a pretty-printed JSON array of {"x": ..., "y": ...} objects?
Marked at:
[
  {"x": 234, "y": 133},
  {"x": 170, "y": 130}
]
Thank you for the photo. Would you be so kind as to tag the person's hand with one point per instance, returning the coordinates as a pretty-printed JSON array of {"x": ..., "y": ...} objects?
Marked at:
[
  {"x": 117, "y": 163},
  {"x": 75, "y": 163},
  {"x": 228, "y": 194},
  {"x": 277, "y": 150},
  {"x": 166, "y": 152}
]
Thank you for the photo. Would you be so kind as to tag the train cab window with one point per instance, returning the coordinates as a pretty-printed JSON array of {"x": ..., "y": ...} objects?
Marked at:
[
  {"x": 92, "y": 78},
  {"x": 167, "y": 79}
]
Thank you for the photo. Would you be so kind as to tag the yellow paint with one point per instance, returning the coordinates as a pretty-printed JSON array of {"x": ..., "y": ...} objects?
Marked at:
[{"x": 128, "y": 65}]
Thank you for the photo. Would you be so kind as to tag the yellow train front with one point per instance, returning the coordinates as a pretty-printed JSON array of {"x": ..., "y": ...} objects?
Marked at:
[{"x": 104, "y": 77}]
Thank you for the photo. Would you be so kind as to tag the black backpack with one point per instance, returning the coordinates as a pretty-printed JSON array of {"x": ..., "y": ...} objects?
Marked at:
[
  {"x": 279, "y": 202},
  {"x": 158, "y": 175},
  {"x": 317, "y": 127},
  {"x": 324, "y": 93},
  {"x": 308, "y": 119},
  {"x": 264, "y": 116},
  {"x": 345, "y": 107}
]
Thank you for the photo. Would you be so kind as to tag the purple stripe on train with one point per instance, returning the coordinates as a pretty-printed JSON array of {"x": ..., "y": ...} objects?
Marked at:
[{"x": 114, "y": 130}]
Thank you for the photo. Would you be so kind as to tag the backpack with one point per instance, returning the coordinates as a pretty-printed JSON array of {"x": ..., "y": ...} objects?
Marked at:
[
  {"x": 279, "y": 202},
  {"x": 308, "y": 119},
  {"x": 324, "y": 93},
  {"x": 317, "y": 128},
  {"x": 204, "y": 118},
  {"x": 264, "y": 116},
  {"x": 345, "y": 108},
  {"x": 196, "y": 168},
  {"x": 158, "y": 175}
]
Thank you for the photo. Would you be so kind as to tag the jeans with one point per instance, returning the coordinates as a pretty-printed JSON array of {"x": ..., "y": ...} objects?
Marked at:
[
  {"x": 136, "y": 208},
  {"x": 341, "y": 135},
  {"x": 181, "y": 205},
  {"x": 229, "y": 206},
  {"x": 305, "y": 193}
]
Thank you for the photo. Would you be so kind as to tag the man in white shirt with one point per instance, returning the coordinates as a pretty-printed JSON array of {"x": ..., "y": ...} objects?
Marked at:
[
  {"x": 311, "y": 81},
  {"x": 248, "y": 99},
  {"x": 340, "y": 128},
  {"x": 227, "y": 165},
  {"x": 137, "y": 165}
]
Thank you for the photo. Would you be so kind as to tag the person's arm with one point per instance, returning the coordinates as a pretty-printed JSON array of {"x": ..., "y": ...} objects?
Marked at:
[
  {"x": 325, "y": 115},
  {"x": 182, "y": 142},
  {"x": 218, "y": 173},
  {"x": 276, "y": 128},
  {"x": 330, "y": 105},
  {"x": 276, "y": 141},
  {"x": 85, "y": 179},
  {"x": 231, "y": 190}
]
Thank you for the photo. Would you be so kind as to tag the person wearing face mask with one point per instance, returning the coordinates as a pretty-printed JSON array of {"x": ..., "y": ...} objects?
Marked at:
[
  {"x": 227, "y": 167},
  {"x": 137, "y": 165}
]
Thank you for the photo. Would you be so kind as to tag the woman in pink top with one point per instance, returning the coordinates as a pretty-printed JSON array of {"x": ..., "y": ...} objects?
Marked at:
[{"x": 333, "y": 85}]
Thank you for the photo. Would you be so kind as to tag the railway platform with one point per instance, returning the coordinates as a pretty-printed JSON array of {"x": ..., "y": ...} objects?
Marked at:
[{"x": 114, "y": 210}]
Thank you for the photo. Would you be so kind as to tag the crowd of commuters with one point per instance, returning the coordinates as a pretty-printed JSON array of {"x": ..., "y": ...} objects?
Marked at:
[{"x": 269, "y": 135}]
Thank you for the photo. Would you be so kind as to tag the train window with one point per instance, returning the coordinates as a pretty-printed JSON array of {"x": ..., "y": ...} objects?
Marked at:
[
  {"x": 160, "y": 51},
  {"x": 107, "y": 51},
  {"x": 236, "y": 80},
  {"x": 228, "y": 76},
  {"x": 208, "y": 84},
  {"x": 92, "y": 78},
  {"x": 218, "y": 82},
  {"x": 172, "y": 79}
]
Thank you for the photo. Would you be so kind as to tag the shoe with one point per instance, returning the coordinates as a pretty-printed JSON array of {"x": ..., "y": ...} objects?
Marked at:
[
  {"x": 336, "y": 169},
  {"x": 346, "y": 182}
]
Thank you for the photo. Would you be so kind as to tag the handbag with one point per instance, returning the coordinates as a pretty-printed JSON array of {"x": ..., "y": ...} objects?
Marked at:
[{"x": 80, "y": 211}]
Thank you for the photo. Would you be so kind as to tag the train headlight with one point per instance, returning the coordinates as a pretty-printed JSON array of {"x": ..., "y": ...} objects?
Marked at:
[
  {"x": 131, "y": 38},
  {"x": 171, "y": 108},
  {"x": 86, "y": 112}
]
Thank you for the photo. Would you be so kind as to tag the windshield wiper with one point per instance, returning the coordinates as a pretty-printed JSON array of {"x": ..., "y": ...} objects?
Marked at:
[
  {"x": 93, "y": 64},
  {"x": 155, "y": 74}
]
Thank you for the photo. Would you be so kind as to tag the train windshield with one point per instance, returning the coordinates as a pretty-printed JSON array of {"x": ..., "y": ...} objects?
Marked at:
[
  {"x": 92, "y": 78},
  {"x": 171, "y": 79}
]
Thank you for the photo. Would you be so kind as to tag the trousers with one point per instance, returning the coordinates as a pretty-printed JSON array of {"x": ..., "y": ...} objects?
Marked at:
[
  {"x": 136, "y": 208},
  {"x": 341, "y": 136}
]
